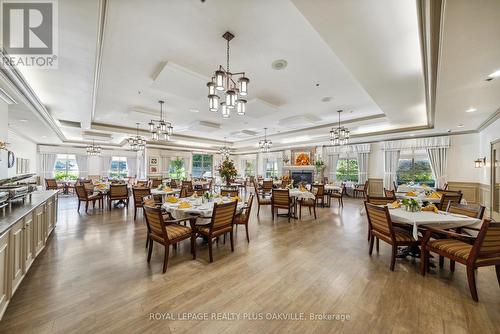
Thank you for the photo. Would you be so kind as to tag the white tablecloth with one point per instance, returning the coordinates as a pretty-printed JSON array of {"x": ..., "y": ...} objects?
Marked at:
[
  {"x": 440, "y": 220},
  {"x": 301, "y": 194},
  {"x": 332, "y": 187},
  {"x": 163, "y": 192},
  {"x": 204, "y": 209},
  {"x": 406, "y": 188}
]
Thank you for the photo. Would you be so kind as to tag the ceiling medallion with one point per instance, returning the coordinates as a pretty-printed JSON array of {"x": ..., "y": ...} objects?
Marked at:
[
  {"x": 225, "y": 151},
  {"x": 233, "y": 93},
  {"x": 161, "y": 130},
  {"x": 340, "y": 135},
  {"x": 93, "y": 149},
  {"x": 265, "y": 145},
  {"x": 137, "y": 143}
]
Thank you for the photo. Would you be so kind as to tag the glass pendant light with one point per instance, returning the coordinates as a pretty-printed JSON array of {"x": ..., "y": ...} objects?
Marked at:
[
  {"x": 241, "y": 107},
  {"x": 211, "y": 88},
  {"x": 230, "y": 98},
  {"x": 243, "y": 86},
  {"x": 220, "y": 78},
  {"x": 213, "y": 102},
  {"x": 225, "y": 111}
]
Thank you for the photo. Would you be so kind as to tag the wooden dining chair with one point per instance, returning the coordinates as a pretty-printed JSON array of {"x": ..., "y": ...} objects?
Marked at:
[
  {"x": 281, "y": 199},
  {"x": 155, "y": 182},
  {"x": 338, "y": 195},
  {"x": 167, "y": 233},
  {"x": 138, "y": 194},
  {"x": 183, "y": 192},
  {"x": 118, "y": 192},
  {"x": 284, "y": 184},
  {"x": 267, "y": 186},
  {"x": 448, "y": 198},
  {"x": 188, "y": 184},
  {"x": 473, "y": 212},
  {"x": 473, "y": 252},
  {"x": 390, "y": 194},
  {"x": 84, "y": 196},
  {"x": 377, "y": 200},
  {"x": 220, "y": 223},
  {"x": 229, "y": 192},
  {"x": 89, "y": 187},
  {"x": 51, "y": 184},
  {"x": 395, "y": 185},
  {"x": 262, "y": 199},
  {"x": 363, "y": 190},
  {"x": 319, "y": 193},
  {"x": 381, "y": 227},
  {"x": 142, "y": 184},
  {"x": 310, "y": 203},
  {"x": 244, "y": 217}
]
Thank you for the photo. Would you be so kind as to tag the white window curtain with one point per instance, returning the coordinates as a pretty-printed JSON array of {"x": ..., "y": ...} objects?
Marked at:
[
  {"x": 438, "y": 158},
  {"x": 132, "y": 166},
  {"x": 105, "y": 165},
  {"x": 165, "y": 164},
  {"x": 46, "y": 165},
  {"x": 333, "y": 160},
  {"x": 82, "y": 162},
  {"x": 363, "y": 167},
  {"x": 391, "y": 161},
  {"x": 142, "y": 165}
]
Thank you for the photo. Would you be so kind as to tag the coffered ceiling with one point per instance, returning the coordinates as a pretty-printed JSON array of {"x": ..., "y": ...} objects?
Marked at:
[{"x": 119, "y": 57}]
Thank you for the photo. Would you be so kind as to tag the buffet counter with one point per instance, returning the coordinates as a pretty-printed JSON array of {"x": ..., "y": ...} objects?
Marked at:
[{"x": 24, "y": 229}]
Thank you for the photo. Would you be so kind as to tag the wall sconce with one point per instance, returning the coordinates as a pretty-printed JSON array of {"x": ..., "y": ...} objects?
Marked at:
[{"x": 480, "y": 162}]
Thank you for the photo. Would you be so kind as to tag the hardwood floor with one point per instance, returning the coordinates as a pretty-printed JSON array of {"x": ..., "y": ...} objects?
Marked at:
[{"x": 93, "y": 278}]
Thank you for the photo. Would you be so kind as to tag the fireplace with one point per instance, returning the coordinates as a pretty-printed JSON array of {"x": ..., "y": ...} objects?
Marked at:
[{"x": 302, "y": 175}]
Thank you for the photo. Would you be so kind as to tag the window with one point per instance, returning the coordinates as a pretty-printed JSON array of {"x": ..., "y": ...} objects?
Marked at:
[
  {"x": 271, "y": 168},
  {"x": 119, "y": 168},
  {"x": 249, "y": 168},
  {"x": 202, "y": 165},
  {"x": 66, "y": 167},
  {"x": 414, "y": 166},
  {"x": 347, "y": 170},
  {"x": 176, "y": 169}
]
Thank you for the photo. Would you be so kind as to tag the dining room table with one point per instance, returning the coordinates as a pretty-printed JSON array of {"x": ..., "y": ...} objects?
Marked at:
[
  {"x": 164, "y": 192},
  {"x": 421, "y": 197},
  {"x": 440, "y": 220},
  {"x": 197, "y": 206}
]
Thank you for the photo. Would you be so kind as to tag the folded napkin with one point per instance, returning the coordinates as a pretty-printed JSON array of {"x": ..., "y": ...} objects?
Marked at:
[
  {"x": 395, "y": 204},
  {"x": 236, "y": 198},
  {"x": 167, "y": 189},
  {"x": 430, "y": 207},
  {"x": 184, "y": 205},
  {"x": 425, "y": 186},
  {"x": 411, "y": 194},
  {"x": 101, "y": 186},
  {"x": 435, "y": 195},
  {"x": 172, "y": 199}
]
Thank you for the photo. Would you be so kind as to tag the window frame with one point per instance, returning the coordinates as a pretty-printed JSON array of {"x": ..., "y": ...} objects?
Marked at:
[
  {"x": 67, "y": 172},
  {"x": 415, "y": 155},
  {"x": 207, "y": 164},
  {"x": 121, "y": 173},
  {"x": 351, "y": 176},
  {"x": 273, "y": 171}
]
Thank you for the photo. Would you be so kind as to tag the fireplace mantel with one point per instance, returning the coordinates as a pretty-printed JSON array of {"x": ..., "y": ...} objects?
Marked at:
[{"x": 307, "y": 167}]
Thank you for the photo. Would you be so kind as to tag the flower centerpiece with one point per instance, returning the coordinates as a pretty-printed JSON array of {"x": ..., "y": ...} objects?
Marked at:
[
  {"x": 227, "y": 171},
  {"x": 319, "y": 164},
  {"x": 411, "y": 204}
]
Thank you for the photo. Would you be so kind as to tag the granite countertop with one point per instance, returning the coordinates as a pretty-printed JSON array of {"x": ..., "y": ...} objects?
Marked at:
[{"x": 11, "y": 215}]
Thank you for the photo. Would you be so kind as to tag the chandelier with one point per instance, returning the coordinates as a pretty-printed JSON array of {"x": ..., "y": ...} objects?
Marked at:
[
  {"x": 232, "y": 92},
  {"x": 160, "y": 129},
  {"x": 137, "y": 143},
  {"x": 225, "y": 151},
  {"x": 93, "y": 149},
  {"x": 340, "y": 135},
  {"x": 265, "y": 145}
]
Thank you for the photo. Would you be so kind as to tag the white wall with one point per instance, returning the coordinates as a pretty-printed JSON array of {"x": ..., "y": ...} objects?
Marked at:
[
  {"x": 22, "y": 148},
  {"x": 462, "y": 153}
]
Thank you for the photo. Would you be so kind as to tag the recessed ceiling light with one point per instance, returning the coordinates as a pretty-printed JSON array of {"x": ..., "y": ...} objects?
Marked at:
[
  {"x": 44, "y": 136},
  {"x": 460, "y": 126},
  {"x": 326, "y": 99},
  {"x": 194, "y": 110},
  {"x": 317, "y": 85},
  {"x": 471, "y": 110},
  {"x": 493, "y": 75},
  {"x": 23, "y": 120},
  {"x": 279, "y": 64},
  {"x": 411, "y": 135},
  {"x": 449, "y": 130}
]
